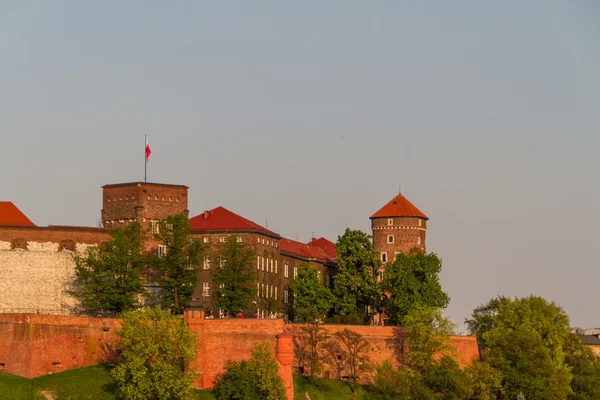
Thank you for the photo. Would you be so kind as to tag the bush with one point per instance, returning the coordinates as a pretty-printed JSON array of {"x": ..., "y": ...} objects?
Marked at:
[
  {"x": 390, "y": 383},
  {"x": 254, "y": 379}
]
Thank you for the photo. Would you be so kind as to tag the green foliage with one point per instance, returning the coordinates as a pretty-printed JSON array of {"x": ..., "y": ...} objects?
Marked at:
[
  {"x": 585, "y": 367},
  {"x": 179, "y": 267},
  {"x": 410, "y": 280},
  {"x": 523, "y": 339},
  {"x": 352, "y": 354},
  {"x": 313, "y": 300},
  {"x": 447, "y": 380},
  {"x": 309, "y": 341},
  {"x": 156, "y": 349},
  {"x": 234, "y": 274},
  {"x": 327, "y": 389},
  {"x": 253, "y": 379},
  {"x": 392, "y": 384},
  {"x": 355, "y": 287},
  {"x": 485, "y": 381},
  {"x": 109, "y": 277}
]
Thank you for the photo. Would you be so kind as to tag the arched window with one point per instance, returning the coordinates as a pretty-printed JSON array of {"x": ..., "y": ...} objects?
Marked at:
[
  {"x": 19, "y": 244},
  {"x": 67, "y": 244}
]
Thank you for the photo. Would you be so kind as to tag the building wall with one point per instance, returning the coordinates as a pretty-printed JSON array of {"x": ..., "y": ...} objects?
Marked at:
[
  {"x": 407, "y": 233},
  {"x": 36, "y": 275}
]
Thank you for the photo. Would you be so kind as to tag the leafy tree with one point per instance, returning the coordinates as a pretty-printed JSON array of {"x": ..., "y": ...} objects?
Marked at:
[
  {"x": 413, "y": 279},
  {"x": 179, "y": 266},
  {"x": 109, "y": 277},
  {"x": 524, "y": 339},
  {"x": 355, "y": 287},
  {"x": 253, "y": 379},
  {"x": 585, "y": 367},
  {"x": 391, "y": 383},
  {"x": 309, "y": 341},
  {"x": 313, "y": 300},
  {"x": 447, "y": 380},
  {"x": 233, "y": 277},
  {"x": 484, "y": 380},
  {"x": 156, "y": 349}
]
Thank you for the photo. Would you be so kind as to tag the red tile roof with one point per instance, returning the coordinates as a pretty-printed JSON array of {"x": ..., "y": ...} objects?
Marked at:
[
  {"x": 326, "y": 245},
  {"x": 399, "y": 206},
  {"x": 309, "y": 250},
  {"x": 10, "y": 215},
  {"x": 221, "y": 219}
]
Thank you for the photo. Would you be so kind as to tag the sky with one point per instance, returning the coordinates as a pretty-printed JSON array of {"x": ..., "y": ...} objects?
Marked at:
[{"x": 307, "y": 115}]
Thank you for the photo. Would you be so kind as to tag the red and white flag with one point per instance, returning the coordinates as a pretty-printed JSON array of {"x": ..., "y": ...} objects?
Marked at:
[{"x": 148, "y": 152}]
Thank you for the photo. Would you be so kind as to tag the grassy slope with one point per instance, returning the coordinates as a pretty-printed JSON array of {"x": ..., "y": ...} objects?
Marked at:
[
  {"x": 329, "y": 389},
  {"x": 89, "y": 383}
]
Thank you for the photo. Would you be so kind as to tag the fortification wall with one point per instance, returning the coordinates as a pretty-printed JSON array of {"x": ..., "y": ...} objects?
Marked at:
[{"x": 35, "y": 345}]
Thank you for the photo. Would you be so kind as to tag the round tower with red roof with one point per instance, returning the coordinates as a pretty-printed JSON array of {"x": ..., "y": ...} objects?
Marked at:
[{"x": 397, "y": 227}]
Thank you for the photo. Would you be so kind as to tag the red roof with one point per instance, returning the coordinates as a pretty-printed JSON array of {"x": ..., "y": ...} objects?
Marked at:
[
  {"x": 399, "y": 206},
  {"x": 221, "y": 219},
  {"x": 326, "y": 245},
  {"x": 10, "y": 215},
  {"x": 308, "y": 250}
]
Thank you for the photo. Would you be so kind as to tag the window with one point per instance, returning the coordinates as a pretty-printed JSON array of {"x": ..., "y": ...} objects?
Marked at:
[
  {"x": 419, "y": 240},
  {"x": 222, "y": 239},
  {"x": 390, "y": 238},
  {"x": 206, "y": 239},
  {"x": 263, "y": 241},
  {"x": 19, "y": 244},
  {"x": 295, "y": 272},
  {"x": 267, "y": 242},
  {"x": 240, "y": 239},
  {"x": 258, "y": 262},
  {"x": 285, "y": 296},
  {"x": 319, "y": 275},
  {"x": 262, "y": 259},
  {"x": 257, "y": 289},
  {"x": 263, "y": 289},
  {"x": 384, "y": 257},
  {"x": 222, "y": 262},
  {"x": 275, "y": 292},
  {"x": 271, "y": 265},
  {"x": 275, "y": 266},
  {"x": 271, "y": 291},
  {"x": 154, "y": 227},
  {"x": 390, "y": 221},
  {"x": 206, "y": 289},
  {"x": 161, "y": 250},
  {"x": 206, "y": 263},
  {"x": 285, "y": 270},
  {"x": 257, "y": 240},
  {"x": 420, "y": 221}
]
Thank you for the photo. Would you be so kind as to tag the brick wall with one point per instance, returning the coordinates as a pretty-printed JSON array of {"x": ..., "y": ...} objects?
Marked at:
[{"x": 407, "y": 233}]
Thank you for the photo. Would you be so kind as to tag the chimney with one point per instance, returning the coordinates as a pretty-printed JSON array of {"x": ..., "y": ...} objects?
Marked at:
[{"x": 206, "y": 214}]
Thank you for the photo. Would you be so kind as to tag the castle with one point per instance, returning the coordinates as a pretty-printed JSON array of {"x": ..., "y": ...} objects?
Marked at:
[{"x": 36, "y": 263}]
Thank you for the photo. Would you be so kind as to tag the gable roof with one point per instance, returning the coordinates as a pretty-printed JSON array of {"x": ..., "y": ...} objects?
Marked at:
[
  {"x": 10, "y": 215},
  {"x": 326, "y": 245},
  {"x": 308, "y": 250},
  {"x": 221, "y": 219},
  {"x": 399, "y": 206}
]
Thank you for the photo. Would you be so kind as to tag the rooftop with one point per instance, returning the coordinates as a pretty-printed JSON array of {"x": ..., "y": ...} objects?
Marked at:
[
  {"x": 10, "y": 215},
  {"x": 221, "y": 219},
  {"x": 126, "y": 184},
  {"x": 399, "y": 206}
]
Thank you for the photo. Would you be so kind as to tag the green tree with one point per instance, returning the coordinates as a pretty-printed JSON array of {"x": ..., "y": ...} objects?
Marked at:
[
  {"x": 354, "y": 350},
  {"x": 253, "y": 379},
  {"x": 524, "y": 339},
  {"x": 355, "y": 287},
  {"x": 485, "y": 381},
  {"x": 109, "y": 277},
  {"x": 413, "y": 279},
  {"x": 233, "y": 277},
  {"x": 585, "y": 367},
  {"x": 179, "y": 265},
  {"x": 309, "y": 342},
  {"x": 156, "y": 349},
  {"x": 313, "y": 300},
  {"x": 391, "y": 383}
]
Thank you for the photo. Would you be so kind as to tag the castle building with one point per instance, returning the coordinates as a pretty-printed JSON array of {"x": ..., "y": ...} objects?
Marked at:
[
  {"x": 398, "y": 227},
  {"x": 37, "y": 263}
]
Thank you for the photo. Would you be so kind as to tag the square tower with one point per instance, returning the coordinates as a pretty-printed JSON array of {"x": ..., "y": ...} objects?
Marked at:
[{"x": 144, "y": 202}]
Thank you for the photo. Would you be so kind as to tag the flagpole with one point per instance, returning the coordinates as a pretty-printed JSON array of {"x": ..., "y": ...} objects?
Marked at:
[{"x": 145, "y": 157}]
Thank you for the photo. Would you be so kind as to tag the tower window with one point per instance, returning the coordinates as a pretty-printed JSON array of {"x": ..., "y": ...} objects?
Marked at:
[
  {"x": 206, "y": 263},
  {"x": 222, "y": 239},
  {"x": 206, "y": 289},
  {"x": 419, "y": 240},
  {"x": 390, "y": 239},
  {"x": 206, "y": 239},
  {"x": 149, "y": 197},
  {"x": 420, "y": 222},
  {"x": 390, "y": 221},
  {"x": 384, "y": 257}
]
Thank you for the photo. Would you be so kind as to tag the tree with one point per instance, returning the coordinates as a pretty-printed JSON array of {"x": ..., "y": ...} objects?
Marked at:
[
  {"x": 524, "y": 339},
  {"x": 585, "y": 367},
  {"x": 413, "y": 279},
  {"x": 484, "y": 380},
  {"x": 355, "y": 287},
  {"x": 156, "y": 349},
  {"x": 354, "y": 351},
  {"x": 391, "y": 383},
  {"x": 233, "y": 277},
  {"x": 109, "y": 277},
  {"x": 179, "y": 265},
  {"x": 253, "y": 379},
  {"x": 309, "y": 341},
  {"x": 313, "y": 300}
]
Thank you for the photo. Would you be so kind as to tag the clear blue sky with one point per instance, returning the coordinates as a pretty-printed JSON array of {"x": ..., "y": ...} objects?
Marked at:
[{"x": 309, "y": 113}]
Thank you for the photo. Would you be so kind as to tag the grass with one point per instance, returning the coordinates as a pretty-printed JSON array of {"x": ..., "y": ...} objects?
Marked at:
[
  {"x": 91, "y": 383},
  {"x": 326, "y": 389}
]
